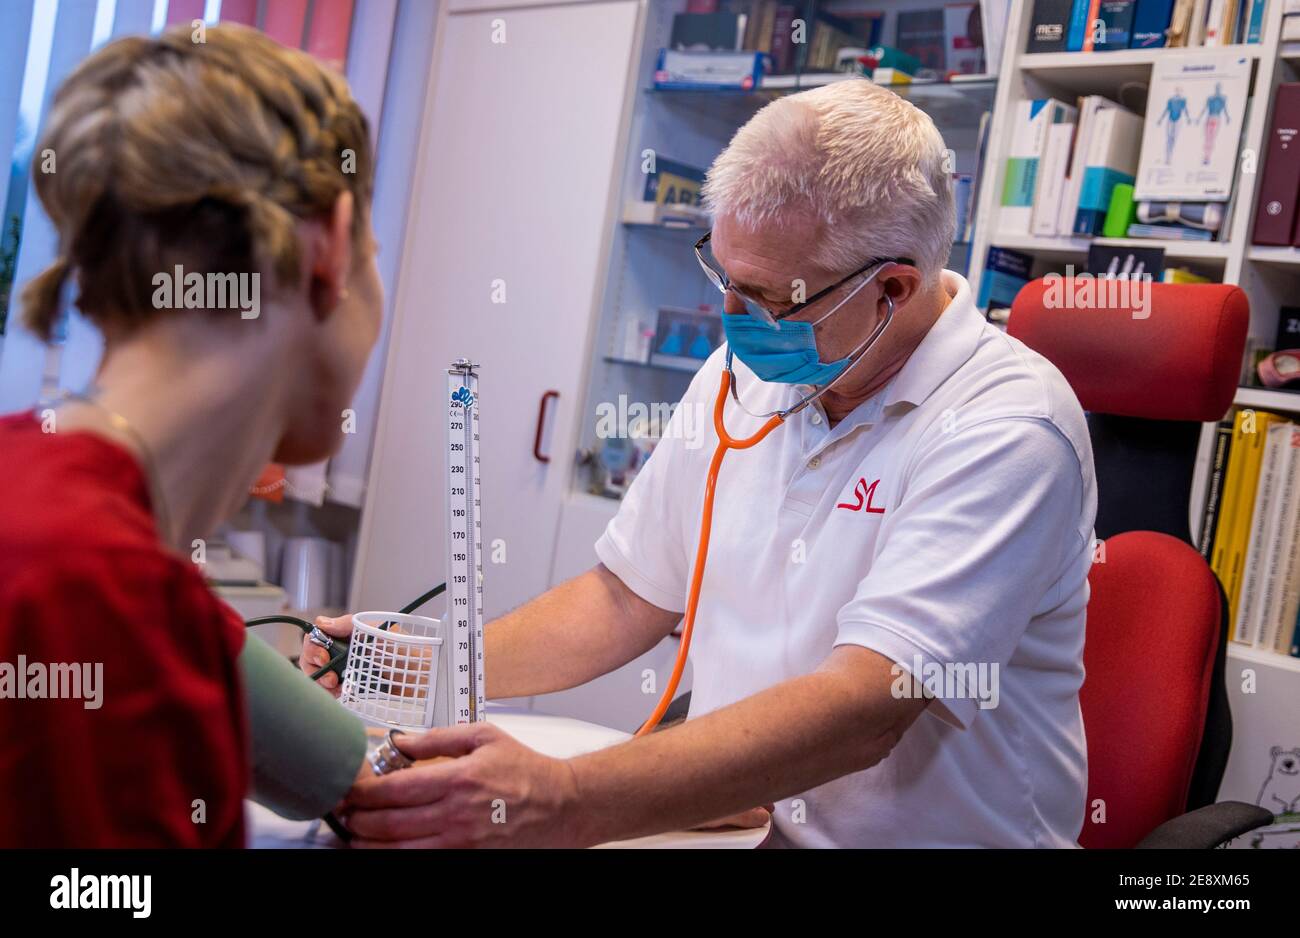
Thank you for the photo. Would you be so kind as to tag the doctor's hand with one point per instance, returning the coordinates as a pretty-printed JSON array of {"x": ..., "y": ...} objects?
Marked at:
[
  {"x": 493, "y": 792},
  {"x": 313, "y": 657}
]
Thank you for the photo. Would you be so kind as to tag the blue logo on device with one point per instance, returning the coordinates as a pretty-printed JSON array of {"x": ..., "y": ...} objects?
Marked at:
[{"x": 463, "y": 396}]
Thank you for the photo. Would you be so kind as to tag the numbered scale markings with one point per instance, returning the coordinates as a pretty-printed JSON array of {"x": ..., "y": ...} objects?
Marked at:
[{"x": 464, "y": 544}]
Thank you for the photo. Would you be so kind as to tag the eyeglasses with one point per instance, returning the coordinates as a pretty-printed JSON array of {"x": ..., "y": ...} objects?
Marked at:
[{"x": 761, "y": 312}]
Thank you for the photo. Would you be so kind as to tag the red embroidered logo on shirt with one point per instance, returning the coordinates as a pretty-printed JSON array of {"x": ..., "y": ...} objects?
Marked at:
[{"x": 865, "y": 494}]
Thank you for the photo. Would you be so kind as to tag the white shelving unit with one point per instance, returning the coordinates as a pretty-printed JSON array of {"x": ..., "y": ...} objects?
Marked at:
[
  {"x": 1265, "y": 273},
  {"x": 1270, "y": 276}
]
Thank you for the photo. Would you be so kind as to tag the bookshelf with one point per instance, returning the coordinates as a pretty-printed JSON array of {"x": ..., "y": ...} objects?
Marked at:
[
  {"x": 1270, "y": 276},
  {"x": 1119, "y": 75},
  {"x": 1264, "y": 714}
]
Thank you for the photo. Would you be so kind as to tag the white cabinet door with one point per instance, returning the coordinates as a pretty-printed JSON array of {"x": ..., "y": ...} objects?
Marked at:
[{"x": 512, "y": 202}]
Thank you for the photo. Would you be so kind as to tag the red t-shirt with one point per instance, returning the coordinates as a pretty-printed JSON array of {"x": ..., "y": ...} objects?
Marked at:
[{"x": 162, "y": 760}]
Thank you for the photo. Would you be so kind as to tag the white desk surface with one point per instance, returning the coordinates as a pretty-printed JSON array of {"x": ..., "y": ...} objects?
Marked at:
[{"x": 559, "y": 737}]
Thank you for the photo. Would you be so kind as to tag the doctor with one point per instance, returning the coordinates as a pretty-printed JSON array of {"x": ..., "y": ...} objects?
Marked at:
[{"x": 890, "y": 635}]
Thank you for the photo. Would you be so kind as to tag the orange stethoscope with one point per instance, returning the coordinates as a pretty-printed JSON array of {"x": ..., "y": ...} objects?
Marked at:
[{"x": 728, "y": 442}]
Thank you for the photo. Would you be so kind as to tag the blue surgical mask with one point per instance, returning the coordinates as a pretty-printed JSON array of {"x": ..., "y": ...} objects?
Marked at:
[{"x": 785, "y": 351}]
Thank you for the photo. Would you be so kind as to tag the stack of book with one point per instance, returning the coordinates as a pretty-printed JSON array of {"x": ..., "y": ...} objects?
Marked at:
[
  {"x": 1251, "y": 528},
  {"x": 778, "y": 29},
  {"x": 1093, "y": 167},
  {"x": 1108, "y": 25},
  {"x": 1064, "y": 164}
]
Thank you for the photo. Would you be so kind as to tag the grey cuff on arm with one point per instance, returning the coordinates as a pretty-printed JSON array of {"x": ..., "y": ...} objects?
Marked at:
[{"x": 306, "y": 748}]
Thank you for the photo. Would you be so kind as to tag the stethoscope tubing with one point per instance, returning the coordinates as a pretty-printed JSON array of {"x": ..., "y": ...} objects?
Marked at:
[{"x": 728, "y": 442}]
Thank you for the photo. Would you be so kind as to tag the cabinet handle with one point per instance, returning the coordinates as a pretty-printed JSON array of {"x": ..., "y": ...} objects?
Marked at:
[{"x": 541, "y": 425}]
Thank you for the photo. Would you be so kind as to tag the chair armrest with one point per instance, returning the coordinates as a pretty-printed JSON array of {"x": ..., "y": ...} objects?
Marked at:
[{"x": 1206, "y": 827}]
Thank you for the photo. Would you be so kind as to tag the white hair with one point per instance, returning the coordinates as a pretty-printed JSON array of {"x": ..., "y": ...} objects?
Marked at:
[{"x": 869, "y": 165}]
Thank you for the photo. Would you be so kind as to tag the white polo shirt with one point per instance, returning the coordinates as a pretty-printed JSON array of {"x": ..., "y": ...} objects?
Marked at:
[{"x": 946, "y": 523}]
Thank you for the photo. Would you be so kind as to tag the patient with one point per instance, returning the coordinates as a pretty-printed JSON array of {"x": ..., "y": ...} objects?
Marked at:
[{"x": 248, "y": 165}]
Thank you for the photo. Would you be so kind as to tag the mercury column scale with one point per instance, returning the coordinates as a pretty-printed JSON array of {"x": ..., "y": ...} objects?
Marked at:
[
  {"x": 464, "y": 544},
  {"x": 411, "y": 672}
]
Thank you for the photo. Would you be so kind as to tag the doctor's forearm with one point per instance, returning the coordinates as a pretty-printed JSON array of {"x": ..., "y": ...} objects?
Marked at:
[
  {"x": 581, "y": 629},
  {"x": 790, "y": 738}
]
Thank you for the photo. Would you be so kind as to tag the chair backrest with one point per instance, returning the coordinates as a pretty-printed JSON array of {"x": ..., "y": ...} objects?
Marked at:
[
  {"x": 1153, "y": 637},
  {"x": 1148, "y": 371}
]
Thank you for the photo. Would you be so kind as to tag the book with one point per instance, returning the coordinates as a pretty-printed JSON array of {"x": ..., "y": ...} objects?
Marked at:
[
  {"x": 1091, "y": 26},
  {"x": 1254, "y": 21},
  {"x": 1195, "y": 112},
  {"x": 1088, "y": 108},
  {"x": 1261, "y": 534},
  {"x": 1079, "y": 27},
  {"x": 1183, "y": 275},
  {"x": 1250, "y": 430},
  {"x": 1196, "y": 28},
  {"x": 1180, "y": 24},
  {"x": 1229, "y": 23},
  {"x": 673, "y": 183},
  {"x": 1048, "y": 25},
  {"x": 1050, "y": 187},
  {"x": 1288, "y": 617},
  {"x": 920, "y": 33},
  {"x": 782, "y": 41},
  {"x": 1279, "y": 183},
  {"x": 1151, "y": 23},
  {"x": 758, "y": 27},
  {"x": 963, "y": 45},
  {"x": 1028, "y": 142},
  {"x": 1214, "y": 487},
  {"x": 1117, "y": 24},
  {"x": 1112, "y": 159},
  {"x": 1005, "y": 273},
  {"x": 1215, "y": 19},
  {"x": 1231, "y": 497},
  {"x": 1282, "y": 534}
]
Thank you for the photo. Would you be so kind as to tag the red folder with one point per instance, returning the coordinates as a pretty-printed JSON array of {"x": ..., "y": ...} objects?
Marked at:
[{"x": 1279, "y": 182}]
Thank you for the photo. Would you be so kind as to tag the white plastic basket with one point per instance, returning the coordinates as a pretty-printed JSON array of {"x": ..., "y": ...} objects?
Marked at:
[{"x": 391, "y": 679}]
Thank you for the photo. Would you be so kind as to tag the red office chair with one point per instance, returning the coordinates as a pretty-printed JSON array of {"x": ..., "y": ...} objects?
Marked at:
[{"x": 1155, "y": 708}]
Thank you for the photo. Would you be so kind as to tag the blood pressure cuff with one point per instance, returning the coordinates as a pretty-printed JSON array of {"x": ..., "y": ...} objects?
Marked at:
[{"x": 306, "y": 748}]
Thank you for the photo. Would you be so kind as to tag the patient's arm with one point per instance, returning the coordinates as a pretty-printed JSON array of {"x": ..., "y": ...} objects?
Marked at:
[{"x": 581, "y": 629}]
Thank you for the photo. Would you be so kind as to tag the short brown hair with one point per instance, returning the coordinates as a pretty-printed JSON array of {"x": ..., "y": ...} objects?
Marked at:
[{"x": 204, "y": 154}]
